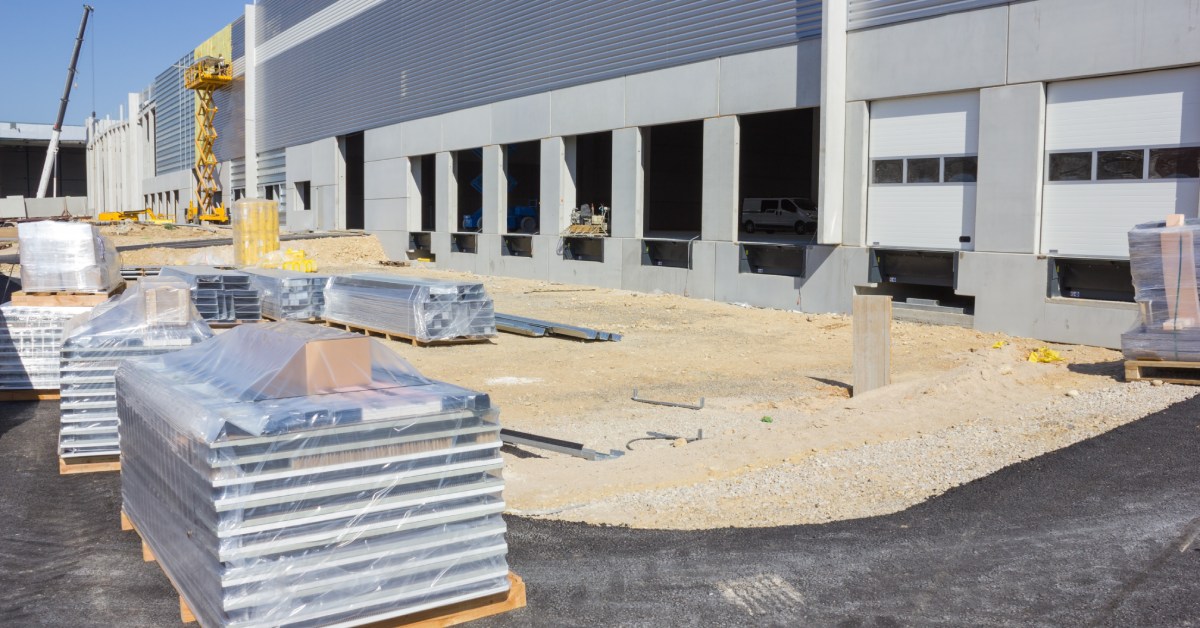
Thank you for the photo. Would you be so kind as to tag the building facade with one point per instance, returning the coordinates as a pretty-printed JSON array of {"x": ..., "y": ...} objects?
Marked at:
[{"x": 979, "y": 160}]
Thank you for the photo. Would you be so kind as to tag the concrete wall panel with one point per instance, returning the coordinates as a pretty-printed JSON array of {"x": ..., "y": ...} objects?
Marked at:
[
  {"x": 719, "y": 197},
  {"x": 388, "y": 214},
  {"x": 588, "y": 108},
  {"x": 947, "y": 53},
  {"x": 382, "y": 143},
  {"x": 521, "y": 119},
  {"x": 421, "y": 137},
  {"x": 385, "y": 179},
  {"x": 783, "y": 78},
  {"x": 687, "y": 92},
  {"x": 467, "y": 128},
  {"x": 1008, "y": 200}
]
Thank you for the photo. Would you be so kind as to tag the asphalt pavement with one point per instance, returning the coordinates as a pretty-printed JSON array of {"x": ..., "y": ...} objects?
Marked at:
[{"x": 1102, "y": 533}]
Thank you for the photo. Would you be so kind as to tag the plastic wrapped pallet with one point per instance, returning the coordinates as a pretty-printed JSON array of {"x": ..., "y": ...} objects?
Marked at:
[
  {"x": 255, "y": 230},
  {"x": 30, "y": 339},
  {"x": 221, "y": 296},
  {"x": 422, "y": 309},
  {"x": 61, "y": 256},
  {"x": 293, "y": 475},
  {"x": 289, "y": 294},
  {"x": 156, "y": 316},
  {"x": 1164, "y": 257}
]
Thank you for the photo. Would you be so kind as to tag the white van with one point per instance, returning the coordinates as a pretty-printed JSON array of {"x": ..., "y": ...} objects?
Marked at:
[{"x": 779, "y": 214}]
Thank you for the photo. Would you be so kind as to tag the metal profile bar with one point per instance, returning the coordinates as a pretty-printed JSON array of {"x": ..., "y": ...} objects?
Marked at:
[
  {"x": 671, "y": 404},
  {"x": 513, "y": 437}
]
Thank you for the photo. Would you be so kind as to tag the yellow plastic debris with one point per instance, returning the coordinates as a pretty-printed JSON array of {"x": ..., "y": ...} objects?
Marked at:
[
  {"x": 1044, "y": 355},
  {"x": 999, "y": 344},
  {"x": 291, "y": 259}
]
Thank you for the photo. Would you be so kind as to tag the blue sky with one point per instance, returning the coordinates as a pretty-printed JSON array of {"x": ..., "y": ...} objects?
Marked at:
[{"x": 131, "y": 40}]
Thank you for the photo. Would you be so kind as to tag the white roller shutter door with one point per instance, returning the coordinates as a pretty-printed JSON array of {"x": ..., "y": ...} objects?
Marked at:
[
  {"x": 1138, "y": 113},
  {"x": 928, "y": 216}
]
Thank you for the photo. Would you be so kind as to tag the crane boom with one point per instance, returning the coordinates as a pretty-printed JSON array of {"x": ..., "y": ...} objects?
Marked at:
[{"x": 52, "y": 151}]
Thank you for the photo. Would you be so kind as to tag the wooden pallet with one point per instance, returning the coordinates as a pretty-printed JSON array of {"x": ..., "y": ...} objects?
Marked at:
[
  {"x": 232, "y": 324},
  {"x": 1172, "y": 372},
  {"x": 89, "y": 464},
  {"x": 451, "y": 615},
  {"x": 398, "y": 337},
  {"x": 64, "y": 299},
  {"x": 42, "y": 394}
]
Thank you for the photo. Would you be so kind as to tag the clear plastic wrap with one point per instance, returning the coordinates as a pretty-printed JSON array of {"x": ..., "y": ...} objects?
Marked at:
[
  {"x": 289, "y": 294},
  {"x": 30, "y": 339},
  {"x": 1164, "y": 260},
  {"x": 153, "y": 317},
  {"x": 423, "y": 309},
  {"x": 292, "y": 475},
  {"x": 61, "y": 256},
  {"x": 255, "y": 230},
  {"x": 221, "y": 296}
]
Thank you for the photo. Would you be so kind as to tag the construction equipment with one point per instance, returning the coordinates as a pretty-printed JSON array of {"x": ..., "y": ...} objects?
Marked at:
[
  {"x": 139, "y": 215},
  {"x": 205, "y": 76},
  {"x": 588, "y": 222},
  {"x": 52, "y": 151}
]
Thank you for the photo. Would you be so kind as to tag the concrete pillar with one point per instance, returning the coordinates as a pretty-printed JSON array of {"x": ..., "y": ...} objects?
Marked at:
[
  {"x": 628, "y": 181},
  {"x": 857, "y": 174},
  {"x": 410, "y": 168},
  {"x": 446, "y": 195},
  {"x": 495, "y": 190},
  {"x": 833, "y": 112},
  {"x": 719, "y": 198},
  {"x": 1008, "y": 202},
  {"x": 251, "y": 78},
  {"x": 557, "y": 192}
]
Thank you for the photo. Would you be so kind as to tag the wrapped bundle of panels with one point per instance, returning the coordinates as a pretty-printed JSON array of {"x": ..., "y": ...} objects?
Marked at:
[
  {"x": 422, "y": 309},
  {"x": 1164, "y": 257},
  {"x": 153, "y": 318},
  {"x": 289, "y": 294},
  {"x": 255, "y": 230},
  {"x": 292, "y": 475},
  {"x": 66, "y": 257},
  {"x": 30, "y": 339},
  {"x": 220, "y": 296}
]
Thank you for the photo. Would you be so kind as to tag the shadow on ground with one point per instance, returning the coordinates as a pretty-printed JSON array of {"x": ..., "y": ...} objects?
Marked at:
[{"x": 1099, "y": 533}]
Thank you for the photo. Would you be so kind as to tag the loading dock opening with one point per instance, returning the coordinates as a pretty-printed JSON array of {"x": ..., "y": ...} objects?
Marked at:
[
  {"x": 523, "y": 167},
  {"x": 468, "y": 172},
  {"x": 777, "y": 176},
  {"x": 673, "y": 155},
  {"x": 352, "y": 151},
  {"x": 1091, "y": 279},
  {"x": 425, "y": 176},
  {"x": 917, "y": 279},
  {"x": 593, "y": 169}
]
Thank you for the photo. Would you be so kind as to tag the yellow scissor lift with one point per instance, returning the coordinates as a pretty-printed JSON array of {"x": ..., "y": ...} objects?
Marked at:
[{"x": 205, "y": 76}]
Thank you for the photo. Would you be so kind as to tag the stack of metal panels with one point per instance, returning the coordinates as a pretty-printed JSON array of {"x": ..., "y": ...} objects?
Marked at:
[
  {"x": 1165, "y": 263},
  {"x": 293, "y": 475},
  {"x": 421, "y": 309},
  {"x": 153, "y": 318},
  {"x": 59, "y": 256},
  {"x": 30, "y": 338},
  {"x": 221, "y": 296},
  {"x": 289, "y": 294}
]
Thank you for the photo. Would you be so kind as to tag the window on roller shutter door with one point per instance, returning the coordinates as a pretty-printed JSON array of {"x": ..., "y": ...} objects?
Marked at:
[
  {"x": 1175, "y": 163},
  {"x": 1119, "y": 164},
  {"x": 1071, "y": 166}
]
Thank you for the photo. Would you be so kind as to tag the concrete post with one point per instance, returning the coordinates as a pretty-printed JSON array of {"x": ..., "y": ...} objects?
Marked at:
[
  {"x": 719, "y": 198},
  {"x": 1008, "y": 201},
  {"x": 446, "y": 195},
  {"x": 854, "y": 192},
  {"x": 628, "y": 181},
  {"x": 410, "y": 169},
  {"x": 833, "y": 112},
  {"x": 495, "y": 190},
  {"x": 557, "y": 192}
]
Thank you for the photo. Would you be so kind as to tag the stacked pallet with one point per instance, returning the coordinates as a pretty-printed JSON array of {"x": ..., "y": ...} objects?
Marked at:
[
  {"x": 420, "y": 309},
  {"x": 1164, "y": 259},
  {"x": 66, "y": 257},
  {"x": 155, "y": 317},
  {"x": 30, "y": 338},
  {"x": 286, "y": 474},
  {"x": 220, "y": 296},
  {"x": 289, "y": 294}
]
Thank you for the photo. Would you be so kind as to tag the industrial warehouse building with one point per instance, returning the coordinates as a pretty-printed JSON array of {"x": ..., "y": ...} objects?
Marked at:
[{"x": 979, "y": 160}]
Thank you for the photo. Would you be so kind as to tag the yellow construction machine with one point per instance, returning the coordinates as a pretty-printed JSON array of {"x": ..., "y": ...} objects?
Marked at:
[{"x": 205, "y": 76}]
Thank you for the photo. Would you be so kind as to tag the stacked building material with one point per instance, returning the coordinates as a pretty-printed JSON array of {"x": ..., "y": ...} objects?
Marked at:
[
  {"x": 422, "y": 309},
  {"x": 154, "y": 317},
  {"x": 1164, "y": 258},
  {"x": 294, "y": 475},
  {"x": 30, "y": 338},
  {"x": 221, "y": 296},
  {"x": 289, "y": 294},
  {"x": 66, "y": 257}
]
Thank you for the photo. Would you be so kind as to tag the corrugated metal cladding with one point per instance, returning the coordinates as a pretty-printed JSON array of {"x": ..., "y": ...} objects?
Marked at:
[
  {"x": 237, "y": 174},
  {"x": 174, "y": 120},
  {"x": 230, "y": 120},
  {"x": 276, "y": 17},
  {"x": 867, "y": 13},
  {"x": 407, "y": 59},
  {"x": 272, "y": 170},
  {"x": 238, "y": 35}
]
